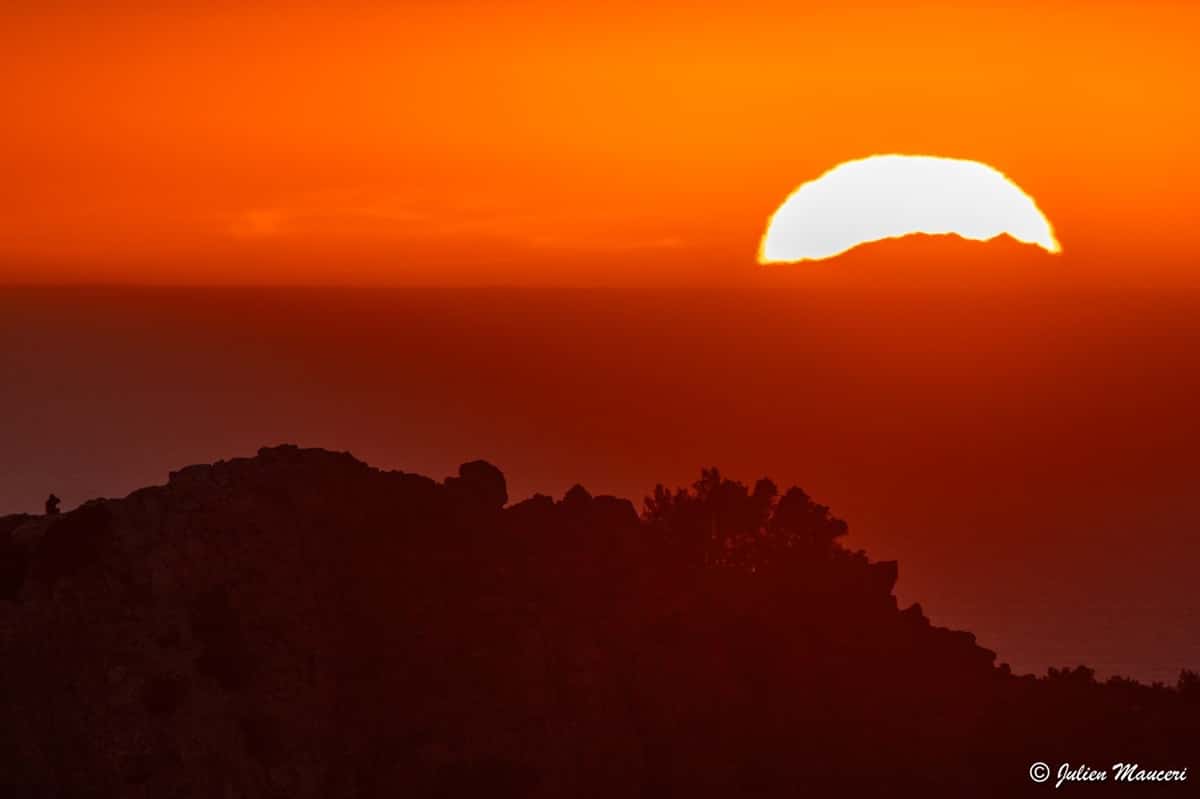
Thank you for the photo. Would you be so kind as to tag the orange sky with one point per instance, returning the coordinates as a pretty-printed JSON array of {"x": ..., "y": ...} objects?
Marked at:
[
  {"x": 548, "y": 142},
  {"x": 995, "y": 417}
]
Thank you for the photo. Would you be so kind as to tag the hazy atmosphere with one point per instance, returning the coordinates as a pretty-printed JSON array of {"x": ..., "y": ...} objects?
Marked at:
[{"x": 1028, "y": 457}]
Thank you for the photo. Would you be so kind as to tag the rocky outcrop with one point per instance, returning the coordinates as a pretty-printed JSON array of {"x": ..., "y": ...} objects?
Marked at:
[{"x": 299, "y": 624}]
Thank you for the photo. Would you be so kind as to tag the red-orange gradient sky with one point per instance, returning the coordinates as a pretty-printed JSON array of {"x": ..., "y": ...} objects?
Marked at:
[
  {"x": 1018, "y": 429},
  {"x": 548, "y": 142}
]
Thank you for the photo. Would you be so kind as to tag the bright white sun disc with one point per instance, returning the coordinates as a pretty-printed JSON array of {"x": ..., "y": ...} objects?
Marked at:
[{"x": 887, "y": 196}]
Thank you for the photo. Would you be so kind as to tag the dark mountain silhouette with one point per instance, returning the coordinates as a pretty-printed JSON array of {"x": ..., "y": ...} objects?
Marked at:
[{"x": 300, "y": 624}]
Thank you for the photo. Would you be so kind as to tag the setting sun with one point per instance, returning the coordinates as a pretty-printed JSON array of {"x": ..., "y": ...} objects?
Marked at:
[{"x": 888, "y": 196}]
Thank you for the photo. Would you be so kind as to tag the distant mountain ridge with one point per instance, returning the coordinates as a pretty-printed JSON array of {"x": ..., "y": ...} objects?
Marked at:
[{"x": 300, "y": 624}]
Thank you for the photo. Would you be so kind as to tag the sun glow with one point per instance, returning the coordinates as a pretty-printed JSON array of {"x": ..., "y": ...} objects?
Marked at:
[{"x": 888, "y": 196}]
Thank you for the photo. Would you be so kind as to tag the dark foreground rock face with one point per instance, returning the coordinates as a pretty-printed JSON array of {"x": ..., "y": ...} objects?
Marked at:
[{"x": 299, "y": 624}]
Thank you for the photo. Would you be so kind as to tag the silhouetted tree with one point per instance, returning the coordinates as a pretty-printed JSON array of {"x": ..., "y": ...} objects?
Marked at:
[
  {"x": 800, "y": 523},
  {"x": 722, "y": 522},
  {"x": 1189, "y": 686}
]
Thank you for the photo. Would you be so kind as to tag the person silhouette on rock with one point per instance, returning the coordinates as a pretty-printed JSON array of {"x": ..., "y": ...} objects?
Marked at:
[{"x": 52, "y": 503}]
